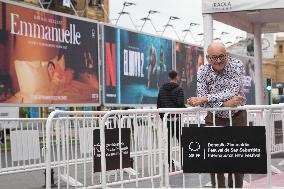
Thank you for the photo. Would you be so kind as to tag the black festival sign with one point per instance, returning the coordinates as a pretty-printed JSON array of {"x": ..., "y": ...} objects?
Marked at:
[
  {"x": 224, "y": 150},
  {"x": 112, "y": 149}
]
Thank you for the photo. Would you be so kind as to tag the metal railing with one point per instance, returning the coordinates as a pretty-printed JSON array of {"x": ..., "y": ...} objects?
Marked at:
[{"x": 65, "y": 143}]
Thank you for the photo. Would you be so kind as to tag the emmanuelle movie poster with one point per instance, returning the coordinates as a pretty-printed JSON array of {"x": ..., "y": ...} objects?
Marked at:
[{"x": 47, "y": 59}]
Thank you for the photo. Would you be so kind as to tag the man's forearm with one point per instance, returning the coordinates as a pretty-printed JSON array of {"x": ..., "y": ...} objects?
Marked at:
[{"x": 204, "y": 99}]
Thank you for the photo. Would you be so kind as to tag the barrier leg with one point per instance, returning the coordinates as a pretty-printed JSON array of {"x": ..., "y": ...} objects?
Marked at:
[
  {"x": 53, "y": 185},
  {"x": 275, "y": 170}
]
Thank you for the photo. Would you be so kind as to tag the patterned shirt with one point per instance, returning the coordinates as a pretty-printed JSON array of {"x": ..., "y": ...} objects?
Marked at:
[{"x": 221, "y": 87}]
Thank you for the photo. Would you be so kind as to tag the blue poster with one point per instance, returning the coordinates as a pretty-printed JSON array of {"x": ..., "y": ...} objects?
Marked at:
[{"x": 136, "y": 65}]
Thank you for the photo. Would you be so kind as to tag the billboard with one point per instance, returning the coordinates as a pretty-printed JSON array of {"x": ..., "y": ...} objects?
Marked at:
[
  {"x": 188, "y": 59},
  {"x": 46, "y": 58},
  {"x": 249, "y": 77},
  {"x": 136, "y": 65}
]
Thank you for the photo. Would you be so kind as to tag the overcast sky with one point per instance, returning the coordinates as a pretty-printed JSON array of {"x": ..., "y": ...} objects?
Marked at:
[{"x": 187, "y": 10}]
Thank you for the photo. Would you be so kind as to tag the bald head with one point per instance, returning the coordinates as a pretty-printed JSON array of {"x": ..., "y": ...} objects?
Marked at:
[
  {"x": 216, "y": 46},
  {"x": 217, "y": 56}
]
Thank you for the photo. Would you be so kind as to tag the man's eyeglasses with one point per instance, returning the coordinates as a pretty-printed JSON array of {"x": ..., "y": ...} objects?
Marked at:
[{"x": 221, "y": 57}]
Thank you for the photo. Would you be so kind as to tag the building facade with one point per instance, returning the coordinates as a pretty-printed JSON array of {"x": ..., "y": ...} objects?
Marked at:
[
  {"x": 274, "y": 67},
  {"x": 93, "y": 9}
]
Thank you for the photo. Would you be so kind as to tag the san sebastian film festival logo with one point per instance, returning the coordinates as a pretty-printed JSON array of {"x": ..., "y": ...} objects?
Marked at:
[
  {"x": 194, "y": 148},
  {"x": 221, "y": 5}
]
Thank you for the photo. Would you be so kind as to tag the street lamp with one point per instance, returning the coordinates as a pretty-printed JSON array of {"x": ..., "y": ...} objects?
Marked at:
[
  {"x": 145, "y": 19},
  {"x": 228, "y": 43},
  {"x": 201, "y": 34},
  {"x": 189, "y": 30},
  {"x": 169, "y": 25},
  {"x": 221, "y": 35},
  {"x": 125, "y": 4},
  {"x": 127, "y": 13}
]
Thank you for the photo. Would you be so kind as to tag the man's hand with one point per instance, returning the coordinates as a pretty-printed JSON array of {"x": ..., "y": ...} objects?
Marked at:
[
  {"x": 196, "y": 101},
  {"x": 234, "y": 101}
]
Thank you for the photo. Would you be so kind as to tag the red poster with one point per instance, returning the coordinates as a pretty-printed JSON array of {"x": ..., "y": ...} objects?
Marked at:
[{"x": 46, "y": 58}]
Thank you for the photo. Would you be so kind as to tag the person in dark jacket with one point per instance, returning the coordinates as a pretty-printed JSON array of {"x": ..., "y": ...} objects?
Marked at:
[{"x": 171, "y": 96}]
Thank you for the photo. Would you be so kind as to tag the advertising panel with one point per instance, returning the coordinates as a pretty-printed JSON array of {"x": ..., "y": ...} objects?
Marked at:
[
  {"x": 188, "y": 59},
  {"x": 136, "y": 65},
  {"x": 249, "y": 78},
  {"x": 46, "y": 58}
]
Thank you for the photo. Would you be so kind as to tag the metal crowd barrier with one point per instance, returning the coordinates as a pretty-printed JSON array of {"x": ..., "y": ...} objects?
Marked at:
[
  {"x": 149, "y": 143},
  {"x": 23, "y": 143},
  {"x": 257, "y": 116},
  {"x": 145, "y": 151},
  {"x": 66, "y": 145}
]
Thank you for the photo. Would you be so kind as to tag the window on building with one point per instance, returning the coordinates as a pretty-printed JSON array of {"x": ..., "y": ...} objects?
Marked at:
[{"x": 280, "y": 50}]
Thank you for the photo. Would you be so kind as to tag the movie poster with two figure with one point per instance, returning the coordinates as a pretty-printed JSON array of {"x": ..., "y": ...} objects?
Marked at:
[
  {"x": 249, "y": 77},
  {"x": 46, "y": 58},
  {"x": 136, "y": 66},
  {"x": 188, "y": 59}
]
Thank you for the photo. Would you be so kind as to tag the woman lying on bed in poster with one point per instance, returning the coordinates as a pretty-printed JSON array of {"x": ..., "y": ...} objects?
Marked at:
[
  {"x": 63, "y": 83},
  {"x": 58, "y": 76}
]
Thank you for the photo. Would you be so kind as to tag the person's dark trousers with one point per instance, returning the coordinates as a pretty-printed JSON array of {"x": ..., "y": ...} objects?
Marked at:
[
  {"x": 239, "y": 119},
  {"x": 173, "y": 133}
]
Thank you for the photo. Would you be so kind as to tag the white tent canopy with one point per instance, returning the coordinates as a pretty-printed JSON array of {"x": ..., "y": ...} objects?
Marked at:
[{"x": 253, "y": 16}]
